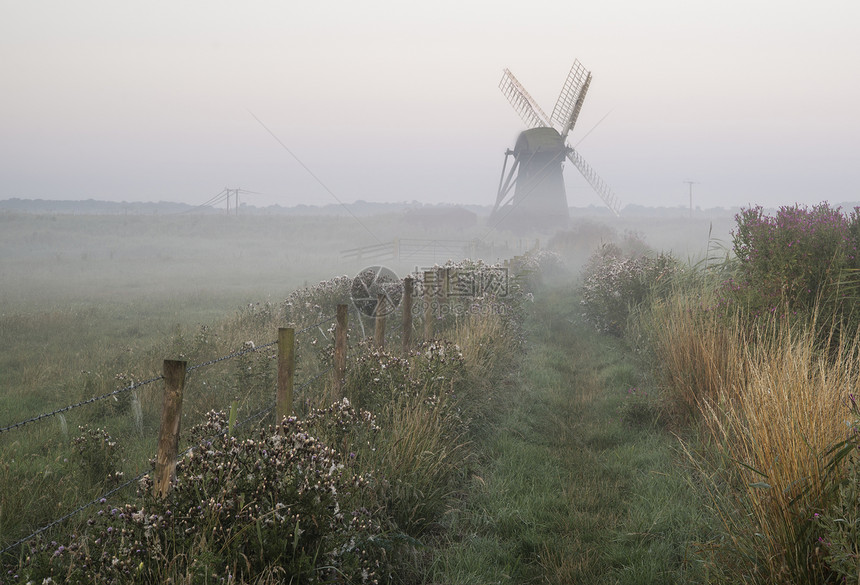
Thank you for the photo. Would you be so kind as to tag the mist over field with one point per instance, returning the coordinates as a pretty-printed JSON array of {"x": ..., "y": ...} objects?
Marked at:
[
  {"x": 65, "y": 254},
  {"x": 97, "y": 298},
  {"x": 137, "y": 274}
]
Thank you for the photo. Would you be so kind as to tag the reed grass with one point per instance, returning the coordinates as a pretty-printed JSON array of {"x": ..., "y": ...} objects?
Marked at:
[
  {"x": 695, "y": 350},
  {"x": 769, "y": 398},
  {"x": 420, "y": 456}
]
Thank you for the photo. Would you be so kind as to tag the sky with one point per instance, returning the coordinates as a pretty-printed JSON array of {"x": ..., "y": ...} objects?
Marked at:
[{"x": 753, "y": 101}]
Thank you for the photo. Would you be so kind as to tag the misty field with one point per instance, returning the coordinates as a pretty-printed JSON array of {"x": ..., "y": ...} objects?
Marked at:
[{"x": 625, "y": 413}]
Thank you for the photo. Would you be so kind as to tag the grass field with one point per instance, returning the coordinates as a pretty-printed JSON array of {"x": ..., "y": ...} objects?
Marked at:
[{"x": 561, "y": 464}]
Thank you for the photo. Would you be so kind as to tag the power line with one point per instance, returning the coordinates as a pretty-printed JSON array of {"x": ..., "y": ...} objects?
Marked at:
[{"x": 317, "y": 179}]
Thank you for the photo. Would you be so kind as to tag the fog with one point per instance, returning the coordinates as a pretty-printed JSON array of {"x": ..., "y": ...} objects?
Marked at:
[
  {"x": 218, "y": 261},
  {"x": 388, "y": 101}
]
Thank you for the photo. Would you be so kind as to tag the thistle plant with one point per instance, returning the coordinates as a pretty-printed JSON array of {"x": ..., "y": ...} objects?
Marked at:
[
  {"x": 615, "y": 282},
  {"x": 279, "y": 501},
  {"x": 100, "y": 455},
  {"x": 306, "y": 305}
]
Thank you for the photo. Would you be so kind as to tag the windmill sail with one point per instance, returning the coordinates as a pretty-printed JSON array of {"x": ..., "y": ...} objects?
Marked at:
[
  {"x": 598, "y": 184},
  {"x": 570, "y": 100},
  {"x": 523, "y": 103}
]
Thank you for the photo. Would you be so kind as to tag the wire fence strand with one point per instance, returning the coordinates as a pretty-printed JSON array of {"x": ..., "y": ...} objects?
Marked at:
[
  {"x": 241, "y": 352},
  {"x": 256, "y": 415},
  {"x": 328, "y": 319},
  {"x": 236, "y": 353},
  {"x": 310, "y": 380},
  {"x": 46, "y": 415},
  {"x": 99, "y": 500}
]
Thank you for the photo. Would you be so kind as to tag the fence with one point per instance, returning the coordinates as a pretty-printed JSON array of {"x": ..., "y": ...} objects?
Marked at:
[
  {"x": 414, "y": 251},
  {"x": 174, "y": 374},
  {"x": 428, "y": 251}
]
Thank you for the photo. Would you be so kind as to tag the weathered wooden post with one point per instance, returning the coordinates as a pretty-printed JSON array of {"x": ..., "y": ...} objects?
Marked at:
[
  {"x": 286, "y": 368},
  {"x": 379, "y": 314},
  {"x": 339, "y": 353},
  {"x": 171, "y": 416},
  {"x": 407, "y": 314},
  {"x": 442, "y": 283},
  {"x": 428, "y": 305}
]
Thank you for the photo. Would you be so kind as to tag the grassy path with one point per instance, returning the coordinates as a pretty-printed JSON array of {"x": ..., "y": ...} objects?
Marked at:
[{"x": 579, "y": 484}]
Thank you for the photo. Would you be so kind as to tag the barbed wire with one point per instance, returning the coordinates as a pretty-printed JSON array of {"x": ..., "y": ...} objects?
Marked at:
[
  {"x": 79, "y": 404},
  {"x": 99, "y": 500},
  {"x": 258, "y": 414},
  {"x": 315, "y": 325},
  {"x": 314, "y": 377},
  {"x": 128, "y": 388},
  {"x": 252, "y": 348},
  {"x": 103, "y": 497},
  {"x": 236, "y": 353}
]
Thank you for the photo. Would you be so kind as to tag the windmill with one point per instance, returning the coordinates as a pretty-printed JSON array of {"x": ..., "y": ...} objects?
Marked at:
[{"x": 539, "y": 198}]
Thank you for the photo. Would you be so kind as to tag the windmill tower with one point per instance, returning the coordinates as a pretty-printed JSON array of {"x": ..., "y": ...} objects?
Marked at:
[{"x": 539, "y": 198}]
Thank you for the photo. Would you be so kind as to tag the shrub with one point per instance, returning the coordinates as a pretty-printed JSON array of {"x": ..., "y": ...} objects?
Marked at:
[
  {"x": 281, "y": 503},
  {"x": 614, "y": 283},
  {"x": 306, "y": 305},
  {"x": 797, "y": 257},
  {"x": 460, "y": 289},
  {"x": 419, "y": 452},
  {"x": 375, "y": 377},
  {"x": 100, "y": 456}
]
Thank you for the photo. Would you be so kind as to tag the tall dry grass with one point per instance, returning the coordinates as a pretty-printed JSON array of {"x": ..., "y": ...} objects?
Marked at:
[
  {"x": 697, "y": 351},
  {"x": 483, "y": 340},
  {"x": 778, "y": 427},
  {"x": 770, "y": 396}
]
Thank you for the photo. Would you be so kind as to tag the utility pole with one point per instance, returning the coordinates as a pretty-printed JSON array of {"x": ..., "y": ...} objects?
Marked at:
[
  {"x": 235, "y": 192},
  {"x": 690, "y": 183}
]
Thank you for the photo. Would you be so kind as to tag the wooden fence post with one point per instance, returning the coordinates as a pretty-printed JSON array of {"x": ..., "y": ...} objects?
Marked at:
[
  {"x": 428, "y": 305},
  {"x": 286, "y": 368},
  {"x": 442, "y": 288},
  {"x": 339, "y": 353},
  {"x": 407, "y": 314},
  {"x": 171, "y": 416},
  {"x": 379, "y": 313}
]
